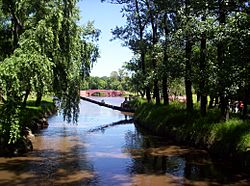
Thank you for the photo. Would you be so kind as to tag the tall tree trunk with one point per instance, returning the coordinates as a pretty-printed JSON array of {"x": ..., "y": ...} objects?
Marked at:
[
  {"x": 165, "y": 62},
  {"x": 17, "y": 25},
  {"x": 198, "y": 93},
  {"x": 188, "y": 81},
  {"x": 223, "y": 106},
  {"x": 153, "y": 21},
  {"x": 203, "y": 106},
  {"x": 156, "y": 80},
  {"x": 165, "y": 90},
  {"x": 1, "y": 95},
  {"x": 211, "y": 101},
  {"x": 216, "y": 100},
  {"x": 188, "y": 66},
  {"x": 202, "y": 84},
  {"x": 142, "y": 50},
  {"x": 27, "y": 92},
  {"x": 147, "y": 87},
  {"x": 38, "y": 99},
  {"x": 157, "y": 92},
  {"x": 221, "y": 61},
  {"x": 156, "y": 85},
  {"x": 148, "y": 94},
  {"x": 141, "y": 92},
  {"x": 246, "y": 100}
]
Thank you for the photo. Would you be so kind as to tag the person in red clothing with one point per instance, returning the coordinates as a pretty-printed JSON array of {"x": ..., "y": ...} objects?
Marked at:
[{"x": 241, "y": 106}]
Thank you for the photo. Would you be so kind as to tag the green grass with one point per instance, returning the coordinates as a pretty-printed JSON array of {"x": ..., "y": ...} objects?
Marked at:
[
  {"x": 136, "y": 102},
  {"x": 31, "y": 111},
  {"x": 229, "y": 138}
]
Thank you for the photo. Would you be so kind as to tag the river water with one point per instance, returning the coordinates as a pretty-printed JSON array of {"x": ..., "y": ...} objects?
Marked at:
[{"x": 105, "y": 148}]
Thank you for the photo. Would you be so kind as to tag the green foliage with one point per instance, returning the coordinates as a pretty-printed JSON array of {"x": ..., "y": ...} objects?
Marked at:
[
  {"x": 136, "y": 102},
  {"x": 27, "y": 67},
  {"x": 89, "y": 51},
  {"x": 205, "y": 43},
  {"x": 10, "y": 127},
  {"x": 116, "y": 81}
]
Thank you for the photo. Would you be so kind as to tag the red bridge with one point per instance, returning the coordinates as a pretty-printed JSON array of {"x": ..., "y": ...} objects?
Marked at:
[{"x": 107, "y": 93}]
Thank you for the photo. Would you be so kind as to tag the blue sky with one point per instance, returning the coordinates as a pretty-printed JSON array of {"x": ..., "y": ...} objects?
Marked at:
[{"x": 105, "y": 16}]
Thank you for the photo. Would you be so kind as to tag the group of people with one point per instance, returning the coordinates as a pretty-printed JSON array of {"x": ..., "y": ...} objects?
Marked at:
[
  {"x": 125, "y": 103},
  {"x": 236, "y": 106}
]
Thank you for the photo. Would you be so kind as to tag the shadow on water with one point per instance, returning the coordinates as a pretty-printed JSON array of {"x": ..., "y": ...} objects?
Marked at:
[
  {"x": 52, "y": 167},
  {"x": 159, "y": 161},
  {"x": 104, "y": 127}
]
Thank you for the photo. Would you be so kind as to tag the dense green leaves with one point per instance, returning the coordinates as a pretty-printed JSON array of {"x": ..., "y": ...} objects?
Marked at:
[
  {"x": 204, "y": 43},
  {"x": 116, "y": 81}
]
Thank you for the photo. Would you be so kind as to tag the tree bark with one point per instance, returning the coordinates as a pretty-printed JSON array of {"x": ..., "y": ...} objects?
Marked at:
[
  {"x": 157, "y": 92},
  {"x": 245, "y": 101},
  {"x": 154, "y": 42},
  {"x": 27, "y": 92},
  {"x": 39, "y": 99},
  {"x": 198, "y": 96},
  {"x": 221, "y": 61},
  {"x": 165, "y": 62},
  {"x": 17, "y": 25},
  {"x": 147, "y": 88},
  {"x": 188, "y": 81},
  {"x": 1, "y": 95},
  {"x": 165, "y": 91},
  {"x": 216, "y": 100},
  {"x": 211, "y": 102},
  {"x": 202, "y": 85},
  {"x": 188, "y": 67},
  {"x": 203, "y": 106},
  {"x": 142, "y": 50},
  {"x": 142, "y": 93}
]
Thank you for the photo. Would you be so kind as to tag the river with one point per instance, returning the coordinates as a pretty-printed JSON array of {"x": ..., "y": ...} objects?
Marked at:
[{"x": 100, "y": 151}]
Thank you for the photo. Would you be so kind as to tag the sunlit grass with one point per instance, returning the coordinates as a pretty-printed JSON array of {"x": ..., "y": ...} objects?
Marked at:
[{"x": 31, "y": 111}]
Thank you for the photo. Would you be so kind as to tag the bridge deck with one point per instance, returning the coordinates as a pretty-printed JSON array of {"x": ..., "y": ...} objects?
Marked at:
[
  {"x": 108, "y": 93},
  {"x": 122, "y": 109}
]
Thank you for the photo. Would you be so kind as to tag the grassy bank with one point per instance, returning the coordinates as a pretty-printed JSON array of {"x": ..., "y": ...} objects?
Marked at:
[
  {"x": 230, "y": 139},
  {"x": 18, "y": 125},
  {"x": 32, "y": 114}
]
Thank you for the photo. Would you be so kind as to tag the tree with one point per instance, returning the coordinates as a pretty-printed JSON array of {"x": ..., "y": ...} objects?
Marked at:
[
  {"x": 154, "y": 21},
  {"x": 89, "y": 50},
  {"x": 203, "y": 43},
  {"x": 134, "y": 35}
]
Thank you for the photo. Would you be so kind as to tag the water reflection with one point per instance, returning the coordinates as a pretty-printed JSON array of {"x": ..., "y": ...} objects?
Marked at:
[
  {"x": 105, "y": 148},
  {"x": 103, "y": 127},
  {"x": 56, "y": 160},
  {"x": 157, "y": 161}
]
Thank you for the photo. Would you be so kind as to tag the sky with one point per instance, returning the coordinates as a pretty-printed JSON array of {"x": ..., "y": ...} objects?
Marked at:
[{"x": 106, "y": 16}]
